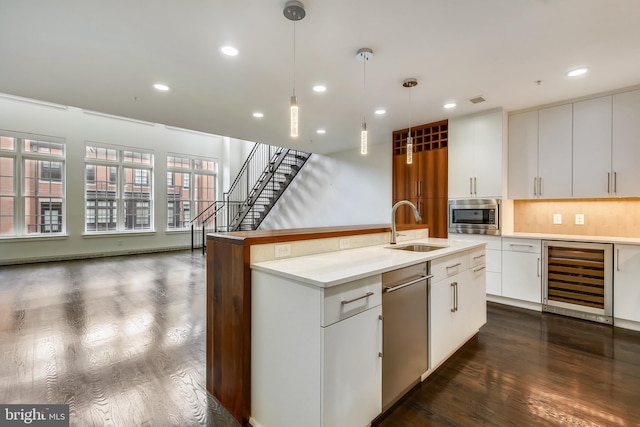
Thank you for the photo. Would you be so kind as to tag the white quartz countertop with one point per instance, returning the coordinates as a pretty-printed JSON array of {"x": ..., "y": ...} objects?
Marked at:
[{"x": 335, "y": 268}]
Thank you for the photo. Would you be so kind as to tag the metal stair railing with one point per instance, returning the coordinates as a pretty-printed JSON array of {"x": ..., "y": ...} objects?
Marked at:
[{"x": 262, "y": 179}]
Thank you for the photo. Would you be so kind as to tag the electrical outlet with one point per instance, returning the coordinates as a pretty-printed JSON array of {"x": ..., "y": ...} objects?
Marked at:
[
  {"x": 345, "y": 244},
  {"x": 282, "y": 250},
  {"x": 557, "y": 218},
  {"x": 579, "y": 219}
]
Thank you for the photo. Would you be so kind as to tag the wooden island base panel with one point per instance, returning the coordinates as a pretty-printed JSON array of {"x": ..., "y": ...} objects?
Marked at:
[{"x": 228, "y": 360}]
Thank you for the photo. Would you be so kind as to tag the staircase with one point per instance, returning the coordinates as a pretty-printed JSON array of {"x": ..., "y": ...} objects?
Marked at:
[
  {"x": 263, "y": 178},
  {"x": 283, "y": 166}
]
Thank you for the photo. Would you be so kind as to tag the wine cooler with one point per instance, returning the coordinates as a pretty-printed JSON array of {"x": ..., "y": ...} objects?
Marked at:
[{"x": 578, "y": 280}]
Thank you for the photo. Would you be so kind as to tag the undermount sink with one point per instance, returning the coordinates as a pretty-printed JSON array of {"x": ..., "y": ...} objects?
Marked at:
[{"x": 417, "y": 247}]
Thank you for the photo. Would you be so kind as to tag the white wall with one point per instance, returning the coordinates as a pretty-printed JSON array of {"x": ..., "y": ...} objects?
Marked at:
[
  {"x": 76, "y": 126},
  {"x": 345, "y": 188}
]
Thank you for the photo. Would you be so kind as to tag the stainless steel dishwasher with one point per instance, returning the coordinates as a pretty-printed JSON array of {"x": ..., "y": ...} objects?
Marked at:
[{"x": 405, "y": 341}]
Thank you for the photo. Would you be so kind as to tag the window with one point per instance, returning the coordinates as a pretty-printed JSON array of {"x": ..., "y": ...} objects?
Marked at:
[
  {"x": 118, "y": 190},
  {"x": 190, "y": 182},
  {"x": 32, "y": 199}
]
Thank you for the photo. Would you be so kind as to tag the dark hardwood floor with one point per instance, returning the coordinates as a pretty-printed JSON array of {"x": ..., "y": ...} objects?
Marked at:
[
  {"x": 122, "y": 341},
  {"x": 527, "y": 368}
]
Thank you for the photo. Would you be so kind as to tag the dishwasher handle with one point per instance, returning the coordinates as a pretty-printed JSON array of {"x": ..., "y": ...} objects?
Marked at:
[{"x": 412, "y": 282}]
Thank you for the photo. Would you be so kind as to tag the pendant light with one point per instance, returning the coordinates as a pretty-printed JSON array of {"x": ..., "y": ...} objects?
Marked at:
[
  {"x": 294, "y": 11},
  {"x": 365, "y": 54},
  {"x": 411, "y": 82}
]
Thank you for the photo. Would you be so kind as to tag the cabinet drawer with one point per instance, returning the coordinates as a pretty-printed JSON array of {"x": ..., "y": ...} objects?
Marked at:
[
  {"x": 521, "y": 245},
  {"x": 449, "y": 265},
  {"x": 343, "y": 301}
]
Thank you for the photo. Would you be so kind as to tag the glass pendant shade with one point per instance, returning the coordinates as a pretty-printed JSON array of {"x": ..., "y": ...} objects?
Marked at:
[
  {"x": 363, "y": 139},
  {"x": 294, "y": 116},
  {"x": 409, "y": 149}
]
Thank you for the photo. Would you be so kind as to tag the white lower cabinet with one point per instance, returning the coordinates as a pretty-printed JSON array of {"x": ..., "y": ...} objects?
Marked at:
[
  {"x": 457, "y": 305},
  {"x": 626, "y": 286},
  {"x": 493, "y": 260},
  {"x": 315, "y": 356},
  {"x": 522, "y": 269},
  {"x": 352, "y": 371}
]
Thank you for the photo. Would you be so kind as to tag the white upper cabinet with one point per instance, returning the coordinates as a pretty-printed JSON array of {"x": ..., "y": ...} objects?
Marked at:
[
  {"x": 475, "y": 156},
  {"x": 592, "y": 148},
  {"x": 523, "y": 155},
  {"x": 626, "y": 145},
  {"x": 554, "y": 152}
]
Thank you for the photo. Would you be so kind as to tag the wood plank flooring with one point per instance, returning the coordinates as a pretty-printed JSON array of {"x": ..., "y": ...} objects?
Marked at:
[
  {"x": 526, "y": 368},
  {"x": 122, "y": 341}
]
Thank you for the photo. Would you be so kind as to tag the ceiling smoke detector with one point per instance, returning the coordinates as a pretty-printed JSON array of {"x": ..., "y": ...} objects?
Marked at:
[
  {"x": 294, "y": 10},
  {"x": 477, "y": 99}
]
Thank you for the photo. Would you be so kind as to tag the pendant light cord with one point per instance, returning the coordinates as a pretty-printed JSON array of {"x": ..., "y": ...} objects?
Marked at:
[
  {"x": 294, "y": 58},
  {"x": 364, "y": 84}
]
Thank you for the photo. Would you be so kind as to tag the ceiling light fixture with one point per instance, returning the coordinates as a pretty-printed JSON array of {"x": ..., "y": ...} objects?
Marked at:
[
  {"x": 294, "y": 11},
  {"x": 365, "y": 54},
  {"x": 380, "y": 112},
  {"x": 410, "y": 83},
  {"x": 319, "y": 88},
  {"x": 449, "y": 105},
  {"x": 161, "y": 87},
  {"x": 229, "y": 50},
  {"x": 577, "y": 72},
  {"x": 321, "y": 131},
  {"x": 258, "y": 115}
]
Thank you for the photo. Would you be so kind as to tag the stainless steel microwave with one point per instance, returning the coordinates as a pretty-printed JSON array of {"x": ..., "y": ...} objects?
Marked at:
[{"x": 474, "y": 216}]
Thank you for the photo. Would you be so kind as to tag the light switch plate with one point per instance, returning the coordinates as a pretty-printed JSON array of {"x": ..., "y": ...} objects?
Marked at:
[
  {"x": 579, "y": 219},
  {"x": 557, "y": 218}
]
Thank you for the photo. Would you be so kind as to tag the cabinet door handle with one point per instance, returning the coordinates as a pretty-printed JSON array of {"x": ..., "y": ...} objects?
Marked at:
[
  {"x": 615, "y": 182},
  {"x": 539, "y": 186},
  {"x": 349, "y": 301},
  {"x": 535, "y": 186},
  {"x": 454, "y": 265},
  {"x": 471, "y": 185},
  {"x": 539, "y": 266},
  {"x": 608, "y": 182},
  {"x": 456, "y": 296},
  {"x": 420, "y": 188},
  {"x": 475, "y": 186},
  {"x": 475, "y": 270},
  {"x": 453, "y": 296},
  {"x": 381, "y": 318},
  {"x": 617, "y": 259}
]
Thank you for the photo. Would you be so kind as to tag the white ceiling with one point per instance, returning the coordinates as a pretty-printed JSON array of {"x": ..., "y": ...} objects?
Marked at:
[{"x": 105, "y": 55}]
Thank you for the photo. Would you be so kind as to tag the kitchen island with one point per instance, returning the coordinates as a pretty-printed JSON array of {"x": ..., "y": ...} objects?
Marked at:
[{"x": 317, "y": 327}]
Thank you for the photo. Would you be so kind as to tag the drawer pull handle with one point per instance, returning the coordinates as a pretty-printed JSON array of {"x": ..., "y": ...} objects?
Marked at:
[
  {"x": 475, "y": 270},
  {"x": 412, "y": 282},
  {"x": 349, "y": 301},
  {"x": 521, "y": 244},
  {"x": 454, "y": 265},
  {"x": 479, "y": 256}
]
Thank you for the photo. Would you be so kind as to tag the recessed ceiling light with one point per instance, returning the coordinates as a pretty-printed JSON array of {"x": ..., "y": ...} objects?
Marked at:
[
  {"x": 449, "y": 105},
  {"x": 319, "y": 88},
  {"x": 321, "y": 131},
  {"x": 160, "y": 86},
  {"x": 258, "y": 115},
  {"x": 381, "y": 111},
  {"x": 577, "y": 72},
  {"x": 229, "y": 50}
]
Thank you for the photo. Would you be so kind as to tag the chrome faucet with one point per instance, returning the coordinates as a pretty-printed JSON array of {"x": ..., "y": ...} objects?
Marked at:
[{"x": 416, "y": 214}]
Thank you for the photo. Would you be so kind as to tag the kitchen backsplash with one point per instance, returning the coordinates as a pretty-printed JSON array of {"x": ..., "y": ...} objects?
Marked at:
[{"x": 602, "y": 217}]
